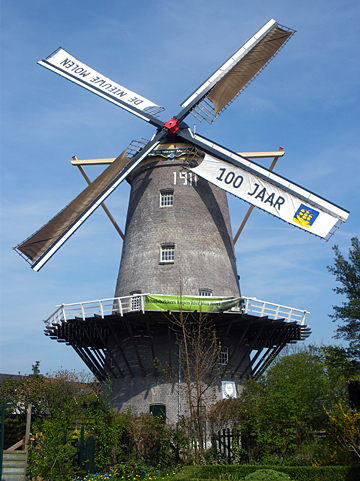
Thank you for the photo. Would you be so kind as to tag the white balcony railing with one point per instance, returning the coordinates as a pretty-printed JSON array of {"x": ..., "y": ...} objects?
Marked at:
[
  {"x": 273, "y": 311},
  {"x": 122, "y": 305}
]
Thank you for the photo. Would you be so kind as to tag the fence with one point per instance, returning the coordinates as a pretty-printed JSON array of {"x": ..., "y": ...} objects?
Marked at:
[
  {"x": 123, "y": 305},
  {"x": 225, "y": 445},
  {"x": 85, "y": 456}
]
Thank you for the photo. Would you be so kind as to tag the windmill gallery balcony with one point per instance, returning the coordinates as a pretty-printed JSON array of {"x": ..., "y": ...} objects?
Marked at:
[{"x": 264, "y": 327}]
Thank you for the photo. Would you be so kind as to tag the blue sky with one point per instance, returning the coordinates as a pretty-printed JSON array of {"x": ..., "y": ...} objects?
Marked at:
[{"x": 306, "y": 100}]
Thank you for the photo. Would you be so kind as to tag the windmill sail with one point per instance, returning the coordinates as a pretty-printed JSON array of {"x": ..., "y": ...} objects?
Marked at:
[
  {"x": 267, "y": 190},
  {"x": 39, "y": 242},
  {"x": 64, "y": 64},
  {"x": 42, "y": 245},
  {"x": 222, "y": 167},
  {"x": 224, "y": 85}
]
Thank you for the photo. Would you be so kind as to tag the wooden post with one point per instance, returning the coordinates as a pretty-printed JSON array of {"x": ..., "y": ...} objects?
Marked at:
[
  {"x": 251, "y": 208},
  {"x": 81, "y": 454},
  {"x": 27, "y": 434},
  {"x": 102, "y": 205},
  {"x": 28, "y": 423},
  {"x": 229, "y": 446},
  {"x": 3, "y": 406},
  {"x": 214, "y": 443}
]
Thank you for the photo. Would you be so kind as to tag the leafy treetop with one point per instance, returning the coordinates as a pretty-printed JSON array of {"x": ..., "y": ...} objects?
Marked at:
[{"x": 347, "y": 273}]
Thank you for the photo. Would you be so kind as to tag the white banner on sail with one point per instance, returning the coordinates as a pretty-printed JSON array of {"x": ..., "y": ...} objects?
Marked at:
[
  {"x": 69, "y": 67},
  {"x": 260, "y": 193}
]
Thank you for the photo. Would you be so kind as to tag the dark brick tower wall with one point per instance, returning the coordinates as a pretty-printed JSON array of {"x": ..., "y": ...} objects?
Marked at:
[{"x": 197, "y": 226}]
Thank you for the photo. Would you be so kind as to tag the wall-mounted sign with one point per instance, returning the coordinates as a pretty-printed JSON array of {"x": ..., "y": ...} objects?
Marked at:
[{"x": 228, "y": 389}]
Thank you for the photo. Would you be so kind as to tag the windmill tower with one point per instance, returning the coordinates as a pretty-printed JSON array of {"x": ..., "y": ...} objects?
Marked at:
[
  {"x": 178, "y": 234},
  {"x": 178, "y": 242},
  {"x": 178, "y": 253}
]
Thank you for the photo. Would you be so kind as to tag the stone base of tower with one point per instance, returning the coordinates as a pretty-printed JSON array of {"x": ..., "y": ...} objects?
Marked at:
[
  {"x": 152, "y": 375},
  {"x": 150, "y": 395},
  {"x": 138, "y": 348}
]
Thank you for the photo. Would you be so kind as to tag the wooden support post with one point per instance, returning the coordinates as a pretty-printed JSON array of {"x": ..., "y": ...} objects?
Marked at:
[
  {"x": 247, "y": 353},
  {"x": 28, "y": 423},
  {"x": 169, "y": 346},
  {"x": 27, "y": 433},
  {"x": 112, "y": 220},
  {"x": 236, "y": 347},
  {"x": 120, "y": 349},
  {"x": 267, "y": 353},
  {"x": 135, "y": 348},
  {"x": 108, "y": 351},
  {"x": 88, "y": 362},
  {"x": 251, "y": 208},
  {"x": 274, "y": 354},
  {"x": 152, "y": 348}
]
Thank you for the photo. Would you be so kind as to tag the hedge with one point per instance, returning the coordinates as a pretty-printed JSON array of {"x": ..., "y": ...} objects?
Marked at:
[{"x": 296, "y": 473}]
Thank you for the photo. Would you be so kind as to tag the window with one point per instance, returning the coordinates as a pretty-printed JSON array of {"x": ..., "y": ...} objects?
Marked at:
[
  {"x": 167, "y": 253},
  {"x": 135, "y": 300},
  {"x": 205, "y": 292},
  {"x": 224, "y": 356},
  {"x": 166, "y": 198},
  {"x": 110, "y": 359},
  {"x": 159, "y": 411}
]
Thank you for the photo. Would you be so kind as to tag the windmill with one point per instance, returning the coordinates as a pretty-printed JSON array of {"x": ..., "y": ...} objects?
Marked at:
[{"x": 178, "y": 252}]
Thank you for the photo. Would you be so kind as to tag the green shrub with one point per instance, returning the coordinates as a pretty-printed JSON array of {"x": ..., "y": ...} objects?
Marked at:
[
  {"x": 296, "y": 473},
  {"x": 267, "y": 475}
]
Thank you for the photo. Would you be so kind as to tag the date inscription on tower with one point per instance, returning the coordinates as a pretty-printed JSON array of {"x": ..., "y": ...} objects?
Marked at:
[{"x": 185, "y": 178}]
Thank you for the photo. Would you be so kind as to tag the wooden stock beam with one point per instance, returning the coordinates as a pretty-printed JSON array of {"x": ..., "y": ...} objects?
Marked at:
[{"x": 247, "y": 155}]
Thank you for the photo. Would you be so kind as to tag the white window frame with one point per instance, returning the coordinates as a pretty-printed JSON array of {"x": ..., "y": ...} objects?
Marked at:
[
  {"x": 166, "y": 198},
  {"x": 110, "y": 359},
  {"x": 205, "y": 292},
  {"x": 135, "y": 300},
  {"x": 224, "y": 356},
  {"x": 167, "y": 253}
]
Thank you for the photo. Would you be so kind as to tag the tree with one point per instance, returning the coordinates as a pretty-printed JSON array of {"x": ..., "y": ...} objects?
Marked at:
[
  {"x": 63, "y": 390},
  {"x": 342, "y": 366},
  {"x": 347, "y": 272},
  {"x": 59, "y": 399},
  {"x": 199, "y": 364},
  {"x": 344, "y": 425},
  {"x": 279, "y": 415}
]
